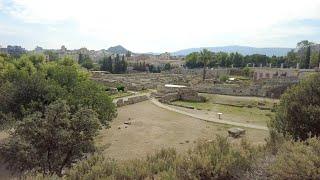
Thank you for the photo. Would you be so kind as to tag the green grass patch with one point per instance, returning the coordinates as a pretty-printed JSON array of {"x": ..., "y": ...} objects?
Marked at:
[{"x": 231, "y": 112}]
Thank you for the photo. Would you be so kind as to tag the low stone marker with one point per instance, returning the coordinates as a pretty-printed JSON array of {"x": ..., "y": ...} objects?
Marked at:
[{"x": 236, "y": 132}]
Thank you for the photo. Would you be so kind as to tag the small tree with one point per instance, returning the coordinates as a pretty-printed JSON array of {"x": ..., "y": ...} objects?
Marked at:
[
  {"x": 298, "y": 114},
  {"x": 205, "y": 57},
  {"x": 88, "y": 63},
  {"x": 314, "y": 61},
  {"x": 48, "y": 142},
  {"x": 246, "y": 71},
  {"x": 308, "y": 57},
  {"x": 167, "y": 66},
  {"x": 123, "y": 65}
]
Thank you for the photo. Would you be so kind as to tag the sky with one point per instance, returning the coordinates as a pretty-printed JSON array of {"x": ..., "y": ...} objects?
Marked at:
[{"x": 158, "y": 25}]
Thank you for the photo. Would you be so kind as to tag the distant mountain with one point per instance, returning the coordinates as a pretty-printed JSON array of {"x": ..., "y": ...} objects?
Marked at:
[
  {"x": 117, "y": 50},
  {"x": 245, "y": 50}
]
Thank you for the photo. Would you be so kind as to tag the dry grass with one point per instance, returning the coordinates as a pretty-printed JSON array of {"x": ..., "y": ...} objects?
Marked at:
[{"x": 154, "y": 128}]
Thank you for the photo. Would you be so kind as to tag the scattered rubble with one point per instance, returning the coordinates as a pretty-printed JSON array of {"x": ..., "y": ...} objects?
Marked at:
[{"x": 236, "y": 132}]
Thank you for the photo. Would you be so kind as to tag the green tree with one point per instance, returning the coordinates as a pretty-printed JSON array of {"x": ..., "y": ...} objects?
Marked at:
[
  {"x": 26, "y": 89},
  {"x": 85, "y": 61},
  {"x": 305, "y": 47},
  {"x": 117, "y": 65},
  {"x": 82, "y": 58},
  {"x": 304, "y": 44},
  {"x": 192, "y": 60},
  {"x": 123, "y": 65},
  {"x": 167, "y": 66},
  {"x": 314, "y": 60},
  {"x": 205, "y": 58},
  {"x": 88, "y": 94},
  {"x": 247, "y": 72},
  {"x": 222, "y": 59},
  {"x": 106, "y": 64},
  {"x": 292, "y": 58},
  {"x": 88, "y": 64},
  {"x": 298, "y": 114},
  {"x": 237, "y": 59},
  {"x": 50, "y": 141},
  {"x": 308, "y": 57},
  {"x": 53, "y": 56}
]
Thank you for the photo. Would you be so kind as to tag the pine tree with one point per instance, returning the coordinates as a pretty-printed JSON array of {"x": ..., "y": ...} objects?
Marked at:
[
  {"x": 308, "y": 55},
  {"x": 107, "y": 64},
  {"x": 117, "y": 64},
  {"x": 123, "y": 65}
]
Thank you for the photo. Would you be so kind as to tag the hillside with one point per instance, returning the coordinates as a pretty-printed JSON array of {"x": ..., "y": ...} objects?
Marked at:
[{"x": 117, "y": 50}]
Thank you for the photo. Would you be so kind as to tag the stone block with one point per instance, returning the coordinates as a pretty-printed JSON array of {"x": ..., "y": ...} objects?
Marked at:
[{"x": 236, "y": 132}]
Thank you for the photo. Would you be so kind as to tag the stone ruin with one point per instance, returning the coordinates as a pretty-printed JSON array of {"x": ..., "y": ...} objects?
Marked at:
[
  {"x": 131, "y": 100},
  {"x": 169, "y": 93},
  {"x": 267, "y": 82},
  {"x": 236, "y": 132}
]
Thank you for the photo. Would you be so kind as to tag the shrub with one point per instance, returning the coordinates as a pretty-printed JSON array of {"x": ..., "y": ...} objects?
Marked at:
[
  {"x": 208, "y": 160},
  {"x": 298, "y": 114},
  {"x": 216, "y": 160},
  {"x": 120, "y": 88},
  {"x": 247, "y": 72},
  {"x": 297, "y": 160},
  {"x": 48, "y": 142},
  {"x": 274, "y": 141},
  {"x": 223, "y": 78}
]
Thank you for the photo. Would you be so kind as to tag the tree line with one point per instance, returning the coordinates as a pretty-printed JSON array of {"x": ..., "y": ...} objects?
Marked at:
[
  {"x": 146, "y": 67},
  {"x": 303, "y": 56},
  {"x": 114, "y": 65}
]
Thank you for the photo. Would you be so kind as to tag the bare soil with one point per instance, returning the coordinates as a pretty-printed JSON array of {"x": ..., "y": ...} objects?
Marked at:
[{"x": 153, "y": 128}]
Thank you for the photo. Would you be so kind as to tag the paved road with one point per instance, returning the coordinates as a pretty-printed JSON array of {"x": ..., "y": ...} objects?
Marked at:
[{"x": 215, "y": 120}]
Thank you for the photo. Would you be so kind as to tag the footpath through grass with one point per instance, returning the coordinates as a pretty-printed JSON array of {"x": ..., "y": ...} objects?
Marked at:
[{"x": 238, "y": 109}]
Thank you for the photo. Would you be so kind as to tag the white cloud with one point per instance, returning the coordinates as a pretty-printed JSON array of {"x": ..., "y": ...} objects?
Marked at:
[
  {"x": 1, "y": 4},
  {"x": 150, "y": 25}
]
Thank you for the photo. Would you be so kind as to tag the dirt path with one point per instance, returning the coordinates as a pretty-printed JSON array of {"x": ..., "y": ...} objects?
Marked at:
[
  {"x": 152, "y": 128},
  {"x": 206, "y": 118}
]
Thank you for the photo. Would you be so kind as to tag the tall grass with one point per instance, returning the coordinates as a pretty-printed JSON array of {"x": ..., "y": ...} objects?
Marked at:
[
  {"x": 280, "y": 158},
  {"x": 218, "y": 159},
  {"x": 297, "y": 160}
]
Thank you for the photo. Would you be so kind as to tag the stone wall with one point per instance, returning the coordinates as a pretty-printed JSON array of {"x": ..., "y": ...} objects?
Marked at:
[
  {"x": 131, "y": 100},
  {"x": 166, "y": 95},
  {"x": 262, "y": 88},
  {"x": 190, "y": 95},
  {"x": 166, "y": 98}
]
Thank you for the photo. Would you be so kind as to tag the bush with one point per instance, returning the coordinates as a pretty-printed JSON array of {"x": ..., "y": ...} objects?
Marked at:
[
  {"x": 209, "y": 160},
  {"x": 120, "y": 88},
  {"x": 297, "y": 160},
  {"x": 223, "y": 78},
  {"x": 274, "y": 141},
  {"x": 298, "y": 114},
  {"x": 48, "y": 142},
  {"x": 247, "y": 72}
]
